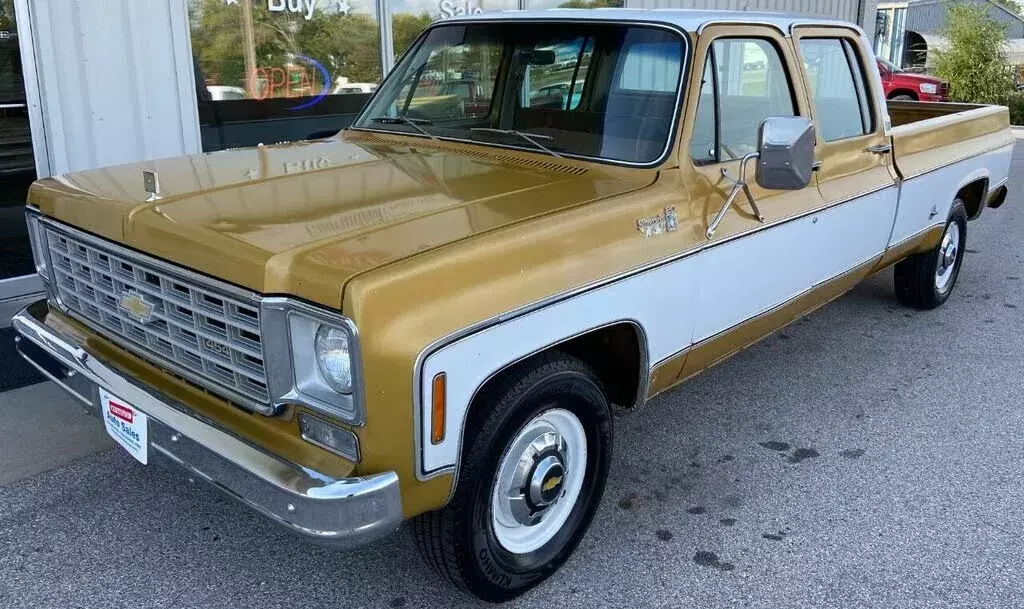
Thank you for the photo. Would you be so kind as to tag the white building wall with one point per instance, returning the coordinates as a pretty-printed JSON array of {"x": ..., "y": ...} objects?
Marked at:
[
  {"x": 861, "y": 12},
  {"x": 114, "y": 82}
]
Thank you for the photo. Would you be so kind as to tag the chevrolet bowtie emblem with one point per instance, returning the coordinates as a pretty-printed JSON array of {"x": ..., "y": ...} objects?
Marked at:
[
  {"x": 136, "y": 307},
  {"x": 551, "y": 483}
]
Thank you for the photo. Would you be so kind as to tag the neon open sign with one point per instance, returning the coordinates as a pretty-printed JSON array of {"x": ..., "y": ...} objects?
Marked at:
[{"x": 292, "y": 81}]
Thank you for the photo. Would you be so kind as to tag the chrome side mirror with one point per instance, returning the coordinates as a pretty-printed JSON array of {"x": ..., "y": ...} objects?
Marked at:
[{"x": 786, "y": 159}]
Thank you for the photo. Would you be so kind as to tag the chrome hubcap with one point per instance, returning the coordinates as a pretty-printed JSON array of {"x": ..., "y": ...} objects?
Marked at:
[
  {"x": 538, "y": 477},
  {"x": 948, "y": 251},
  {"x": 539, "y": 481}
]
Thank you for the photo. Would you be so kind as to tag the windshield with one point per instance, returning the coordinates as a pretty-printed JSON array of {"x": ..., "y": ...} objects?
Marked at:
[
  {"x": 890, "y": 66},
  {"x": 591, "y": 89}
]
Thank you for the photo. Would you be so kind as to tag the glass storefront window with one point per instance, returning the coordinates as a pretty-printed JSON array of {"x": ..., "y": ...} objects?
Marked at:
[
  {"x": 17, "y": 163},
  {"x": 277, "y": 70},
  {"x": 410, "y": 17},
  {"x": 269, "y": 71}
]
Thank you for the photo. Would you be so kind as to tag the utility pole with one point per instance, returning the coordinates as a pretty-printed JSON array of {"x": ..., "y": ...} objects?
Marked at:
[{"x": 249, "y": 49}]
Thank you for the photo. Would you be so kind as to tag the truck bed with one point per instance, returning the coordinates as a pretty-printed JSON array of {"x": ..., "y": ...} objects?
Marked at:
[
  {"x": 928, "y": 136},
  {"x": 939, "y": 150}
]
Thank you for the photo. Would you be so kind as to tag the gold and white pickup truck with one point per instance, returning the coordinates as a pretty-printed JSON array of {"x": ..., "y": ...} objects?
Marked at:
[{"x": 431, "y": 316}]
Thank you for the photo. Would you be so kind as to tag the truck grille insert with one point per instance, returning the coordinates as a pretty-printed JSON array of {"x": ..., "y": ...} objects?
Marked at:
[{"x": 195, "y": 328}]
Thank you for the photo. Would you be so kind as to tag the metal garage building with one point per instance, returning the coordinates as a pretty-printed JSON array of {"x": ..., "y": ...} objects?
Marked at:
[{"x": 861, "y": 12}]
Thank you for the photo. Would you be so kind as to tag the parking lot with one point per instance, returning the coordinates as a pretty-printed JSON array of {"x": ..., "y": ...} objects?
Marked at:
[{"x": 867, "y": 456}]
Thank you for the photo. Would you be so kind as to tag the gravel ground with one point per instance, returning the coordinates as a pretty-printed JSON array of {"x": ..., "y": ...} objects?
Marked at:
[{"x": 867, "y": 456}]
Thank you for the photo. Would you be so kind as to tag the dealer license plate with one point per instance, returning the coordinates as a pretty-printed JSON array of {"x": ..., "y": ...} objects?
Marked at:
[{"x": 126, "y": 425}]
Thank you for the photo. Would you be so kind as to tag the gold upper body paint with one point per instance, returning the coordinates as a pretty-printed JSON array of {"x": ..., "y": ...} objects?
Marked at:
[{"x": 417, "y": 240}]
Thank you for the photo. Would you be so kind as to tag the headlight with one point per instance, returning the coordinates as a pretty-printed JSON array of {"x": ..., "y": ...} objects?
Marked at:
[
  {"x": 334, "y": 359},
  {"x": 312, "y": 357},
  {"x": 929, "y": 88}
]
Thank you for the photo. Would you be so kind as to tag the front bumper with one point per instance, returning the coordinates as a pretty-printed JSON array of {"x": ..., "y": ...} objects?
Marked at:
[{"x": 346, "y": 512}]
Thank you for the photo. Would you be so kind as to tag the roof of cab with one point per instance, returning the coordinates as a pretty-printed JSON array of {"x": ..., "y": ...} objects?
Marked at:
[{"x": 687, "y": 19}]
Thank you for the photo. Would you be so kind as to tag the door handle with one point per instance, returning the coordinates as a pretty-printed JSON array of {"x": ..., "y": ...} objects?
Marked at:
[
  {"x": 12, "y": 106},
  {"x": 880, "y": 149}
]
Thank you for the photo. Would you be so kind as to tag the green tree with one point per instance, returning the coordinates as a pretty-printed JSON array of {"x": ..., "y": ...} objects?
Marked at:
[
  {"x": 405, "y": 28},
  {"x": 974, "y": 62},
  {"x": 6, "y": 15}
]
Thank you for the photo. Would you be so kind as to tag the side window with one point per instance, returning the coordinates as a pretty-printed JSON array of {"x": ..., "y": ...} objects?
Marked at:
[
  {"x": 744, "y": 83},
  {"x": 702, "y": 145},
  {"x": 838, "y": 88}
]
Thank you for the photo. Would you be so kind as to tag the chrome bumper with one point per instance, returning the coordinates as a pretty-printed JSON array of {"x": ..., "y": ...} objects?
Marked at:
[{"x": 344, "y": 513}]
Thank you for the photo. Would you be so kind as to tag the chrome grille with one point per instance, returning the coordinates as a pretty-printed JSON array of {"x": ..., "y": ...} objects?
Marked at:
[{"x": 208, "y": 335}]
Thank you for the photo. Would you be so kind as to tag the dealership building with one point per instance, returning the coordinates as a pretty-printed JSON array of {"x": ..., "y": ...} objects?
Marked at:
[{"x": 94, "y": 83}]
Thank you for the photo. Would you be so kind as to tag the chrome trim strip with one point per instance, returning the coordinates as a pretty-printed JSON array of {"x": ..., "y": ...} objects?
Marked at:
[
  {"x": 673, "y": 135},
  {"x": 342, "y": 512}
]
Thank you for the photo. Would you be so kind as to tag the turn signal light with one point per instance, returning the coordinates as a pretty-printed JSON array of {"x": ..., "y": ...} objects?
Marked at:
[
  {"x": 437, "y": 405},
  {"x": 336, "y": 439}
]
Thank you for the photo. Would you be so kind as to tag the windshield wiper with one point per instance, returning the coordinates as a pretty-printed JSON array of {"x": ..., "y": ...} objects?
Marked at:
[
  {"x": 405, "y": 120},
  {"x": 529, "y": 137}
]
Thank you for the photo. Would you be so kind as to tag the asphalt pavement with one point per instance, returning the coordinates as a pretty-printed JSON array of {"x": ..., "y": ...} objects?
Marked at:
[{"x": 866, "y": 456}]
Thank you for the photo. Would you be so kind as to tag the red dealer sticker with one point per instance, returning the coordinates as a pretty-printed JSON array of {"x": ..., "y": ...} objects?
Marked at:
[{"x": 122, "y": 412}]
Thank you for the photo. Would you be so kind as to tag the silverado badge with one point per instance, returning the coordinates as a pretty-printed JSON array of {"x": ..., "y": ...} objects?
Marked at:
[
  {"x": 665, "y": 222},
  {"x": 136, "y": 307}
]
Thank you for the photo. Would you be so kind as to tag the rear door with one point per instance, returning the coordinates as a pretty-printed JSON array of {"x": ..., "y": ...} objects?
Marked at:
[{"x": 856, "y": 177}]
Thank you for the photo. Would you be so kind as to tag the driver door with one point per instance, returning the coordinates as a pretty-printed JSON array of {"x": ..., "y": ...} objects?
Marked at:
[{"x": 742, "y": 76}]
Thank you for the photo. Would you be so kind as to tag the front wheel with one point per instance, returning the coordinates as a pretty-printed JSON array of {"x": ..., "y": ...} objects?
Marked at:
[
  {"x": 925, "y": 280},
  {"x": 538, "y": 448}
]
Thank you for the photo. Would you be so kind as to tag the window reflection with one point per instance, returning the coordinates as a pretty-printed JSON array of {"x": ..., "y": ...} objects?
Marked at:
[{"x": 262, "y": 63}]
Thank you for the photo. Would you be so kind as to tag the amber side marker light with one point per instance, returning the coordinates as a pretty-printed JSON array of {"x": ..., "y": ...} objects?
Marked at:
[{"x": 437, "y": 408}]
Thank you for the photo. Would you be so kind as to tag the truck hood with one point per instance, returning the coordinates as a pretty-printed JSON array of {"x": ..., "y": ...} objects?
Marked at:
[
  {"x": 909, "y": 77},
  {"x": 302, "y": 219}
]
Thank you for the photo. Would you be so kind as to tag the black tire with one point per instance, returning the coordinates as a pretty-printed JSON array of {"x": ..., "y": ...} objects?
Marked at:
[
  {"x": 459, "y": 541},
  {"x": 916, "y": 278},
  {"x": 903, "y": 97}
]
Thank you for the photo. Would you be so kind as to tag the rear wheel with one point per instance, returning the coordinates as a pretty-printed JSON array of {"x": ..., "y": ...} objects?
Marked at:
[
  {"x": 537, "y": 452},
  {"x": 925, "y": 280}
]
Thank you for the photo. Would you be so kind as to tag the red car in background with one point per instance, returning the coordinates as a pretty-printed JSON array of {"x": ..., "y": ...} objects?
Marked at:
[{"x": 902, "y": 85}]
